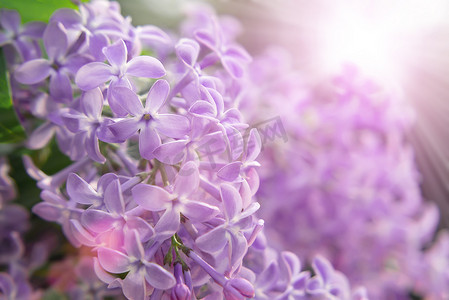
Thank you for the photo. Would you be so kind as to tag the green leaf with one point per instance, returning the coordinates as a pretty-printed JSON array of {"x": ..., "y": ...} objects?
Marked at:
[
  {"x": 11, "y": 130},
  {"x": 36, "y": 10}
]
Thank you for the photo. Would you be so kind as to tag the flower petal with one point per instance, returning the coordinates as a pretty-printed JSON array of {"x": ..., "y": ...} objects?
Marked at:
[
  {"x": 41, "y": 136},
  {"x": 188, "y": 179},
  {"x": 175, "y": 126},
  {"x": 158, "y": 277},
  {"x": 128, "y": 100},
  {"x": 33, "y": 71},
  {"x": 80, "y": 191},
  {"x": 123, "y": 129},
  {"x": 113, "y": 261},
  {"x": 55, "y": 40},
  {"x": 113, "y": 198},
  {"x": 203, "y": 108},
  {"x": 171, "y": 153},
  {"x": 253, "y": 146},
  {"x": 148, "y": 141},
  {"x": 198, "y": 211},
  {"x": 133, "y": 285},
  {"x": 151, "y": 197},
  {"x": 167, "y": 225},
  {"x": 92, "y": 103},
  {"x": 10, "y": 20},
  {"x": 60, "y": 87},
  {"x": 145, "y": 66},
  {"x": 212, "y": 241},
  {"x": 93, "y": 148},
  {"x": 93, "y": 75},
  {"x": 231, "y": 200},
  {"x": 157, "y": 96},
  {"x": 116, "y": 53},
  {"x": 187, "y": 50},
  {"x": 230, "y": 172},
  {"x": 97, "y": 220}
]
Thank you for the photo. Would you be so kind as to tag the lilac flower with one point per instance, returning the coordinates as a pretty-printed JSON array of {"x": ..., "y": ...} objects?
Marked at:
[
  {"x": 139, "y": 268},
  {"x": 147, "y": 120},
  {"x": 118, "y": 72},
  {"x": 7, "y": 189},
  {"x": 59, "y": 65},
  {"x": 20, "y": 37}
]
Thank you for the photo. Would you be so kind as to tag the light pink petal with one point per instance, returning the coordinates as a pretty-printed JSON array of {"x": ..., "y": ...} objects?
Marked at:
[
  {"x": 92, "y": 103},
  {"x": 80, "y": 191},
  {"x": 128, "y": 100},
  {"x": 232, "y": 201},
  {"x": 148, "y": 141},
  {"x": 234, "y": 67},
  {"x": 230, "y": 172},
  {"x": 113, "y": 198},
  {"x": 158, "y": 277},
  {"x": 175, "y": 126},
  {"x": 198, "y": 211},
  {"x": 171, "y": 153},
  {"x": 188, "y": 179},
  {"x": 93, "y": 75},
  {"x": 113, "y": 261},
  {"x": 79, "y": 233},
  {"x": 55, "y": 40},
  {"x": 157, "y": 96},
  {"x": 213, "y": 241},
  {"x": 116, "y": 53},
  {"x": 97, "y": 220},
  {"x": 33, "y": 71},
  {"x": 253, "y": 146},
  {"x": 145, "y": 66},
  {"x": 151, "y": 197}
]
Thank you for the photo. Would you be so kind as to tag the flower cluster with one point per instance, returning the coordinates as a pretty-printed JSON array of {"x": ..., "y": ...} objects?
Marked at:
[
  {"x": 346, "y": 185},
  {"x": 163, "y": 175}
]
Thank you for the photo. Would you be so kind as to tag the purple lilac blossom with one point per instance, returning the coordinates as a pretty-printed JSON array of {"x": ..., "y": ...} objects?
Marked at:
[
  {"x": 345, "y": 185},
  {"x": 163, "y": 175}
]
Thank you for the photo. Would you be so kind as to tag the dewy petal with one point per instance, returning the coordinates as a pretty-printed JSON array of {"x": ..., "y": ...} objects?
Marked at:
[
  {"x": 175, "y": 126},
  {"x": 113, "y": 198},
  {"x": 158, "y": 277},
  {"x": 80, "y": 191},
  {"x": 128, "y": 100},
  {"x": 116, "y": 53},
  {"x": 253, "y": 146},
  {"x": 171, "y": 153},
  {"x": 230, "y": 172},
  {"x": 157, "y": 96},
  {"x": 124, "y": 129},
  {"x": 187, "y": 50},
  {"x": 198, "y": 211},
  {"x": 55, "y": 40},
  {"x": 148, "y": 141},
  {"x": 97, "y": 220},
  {"x": 145, "y": 66},
  {"x": 93, "y": 75},
  {"x": 151, "y": 197},
  {"x": 231, "y": 200},
  {"x": 33, "y": 71},
  {"x": 60, "y": 87},
  {"x": 188, "y": 179},
  {"x": 92, "y": 103},
  {"x": 213, "y": 241},
  {"x": 113, "y": 261}
]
